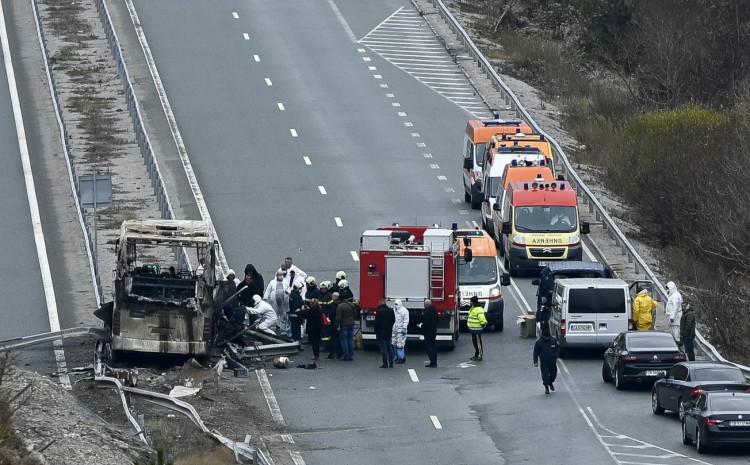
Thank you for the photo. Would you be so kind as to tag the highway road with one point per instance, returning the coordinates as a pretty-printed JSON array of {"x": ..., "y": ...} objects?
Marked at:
[
  {"x": 24, "y": 310},
  {"x": 301, "y": 137}
]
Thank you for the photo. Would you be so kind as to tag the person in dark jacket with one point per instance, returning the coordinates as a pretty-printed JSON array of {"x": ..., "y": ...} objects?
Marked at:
[
  {"x": 344, "y": 321},
  {"x": 429, "y": 330},
  {"x": 312, "y": 314},
  {"x": 344, "y": 291},
  {"x": 330, "y": 333},
  {"x": 312, "y": 291},
  {"x": 384, "y": 320},
  {"x": 544, "y": 290},
  {"x": 254, "y": 282},
  {"x": 546, "y": 351},
  {"x": 543, "y": 314},
  {"x": 295, "y": 306},
  {"x": 687, "y": 332}
]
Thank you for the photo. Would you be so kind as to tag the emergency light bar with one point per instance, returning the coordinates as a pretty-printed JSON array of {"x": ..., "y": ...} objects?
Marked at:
[
  {"x": 519, "y": 149},
  {"x": 502, "y": 122}
]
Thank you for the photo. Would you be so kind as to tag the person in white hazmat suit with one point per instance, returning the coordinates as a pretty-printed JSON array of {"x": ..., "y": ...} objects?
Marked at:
[
  {"x": 400, "y": 327},
  {"x": 266, "y": 315},
  {"x": 277, "y": 294},
  {"x": 674, "y": 309}
]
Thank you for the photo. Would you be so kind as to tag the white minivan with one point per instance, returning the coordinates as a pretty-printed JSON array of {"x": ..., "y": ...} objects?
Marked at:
[{"x": 589, "y": 312}]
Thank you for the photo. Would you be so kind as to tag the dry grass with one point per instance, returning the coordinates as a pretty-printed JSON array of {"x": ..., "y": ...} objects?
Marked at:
[{"x": 219, "y": 456}]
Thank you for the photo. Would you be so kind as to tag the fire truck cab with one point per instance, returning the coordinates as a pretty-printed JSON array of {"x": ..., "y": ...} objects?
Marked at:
[{"x": 410, "y": 263}]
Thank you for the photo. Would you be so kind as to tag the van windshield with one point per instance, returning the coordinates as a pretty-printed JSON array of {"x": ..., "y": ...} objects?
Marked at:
[
  {"x": 481, "y": 153},
  {"x": 546, "y": 218},
  {"x": 481, "y": 270},
  {"x": 592, "y": 300}
]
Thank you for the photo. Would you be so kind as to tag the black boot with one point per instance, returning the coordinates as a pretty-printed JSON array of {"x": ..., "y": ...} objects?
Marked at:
[{"x": 546, "y": 389}]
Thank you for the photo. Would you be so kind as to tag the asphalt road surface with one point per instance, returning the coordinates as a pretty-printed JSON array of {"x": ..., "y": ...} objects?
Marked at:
[
  {"x": 299, "y": 138},
  {"x": 24, "y": 310}
]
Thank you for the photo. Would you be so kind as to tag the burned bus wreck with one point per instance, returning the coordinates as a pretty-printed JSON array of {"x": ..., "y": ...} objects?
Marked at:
[{"x": 161, "y": 305}]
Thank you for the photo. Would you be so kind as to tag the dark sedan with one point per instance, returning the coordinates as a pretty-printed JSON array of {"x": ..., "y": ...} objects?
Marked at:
[
  {"x": 717, "y": 418},
  {"x": 641, "y": 356},
  {"x": 687, "y": 380}
]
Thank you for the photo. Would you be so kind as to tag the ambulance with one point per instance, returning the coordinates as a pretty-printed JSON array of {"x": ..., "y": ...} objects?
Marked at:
[
  {"x": 479, "y": 275},
  {"x": 523, "y": 141},
  {"x": 538, "y": 224},
  {"x": 475, "y": 147}
]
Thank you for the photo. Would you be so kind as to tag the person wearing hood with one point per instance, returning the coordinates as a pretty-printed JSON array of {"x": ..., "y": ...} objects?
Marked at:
[
  {"x": 384, "y": 321},
  {"x": 687, "y": 332},
  {"x": 546, "y": 351},
  {"x": 674, "y": 309},
  {"x": 643, "y": 310},
  {"x": 277, "y": 294},
  {"x": 543, "y": 314},
  {"x": 266, "y": 315},
  {"x": 255, "y": 284},
  {"x": 399, "y": 331},
  {"x": 295, "y": 307},
  {"x": 225, "y": 297}
]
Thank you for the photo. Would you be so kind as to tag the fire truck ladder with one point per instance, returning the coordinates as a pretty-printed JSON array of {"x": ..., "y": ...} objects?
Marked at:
[{"x": 437, "y": 275}]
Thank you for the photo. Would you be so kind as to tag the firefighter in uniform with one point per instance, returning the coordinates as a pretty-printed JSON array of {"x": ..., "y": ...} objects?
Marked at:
[{"x": 476, "y": 323}]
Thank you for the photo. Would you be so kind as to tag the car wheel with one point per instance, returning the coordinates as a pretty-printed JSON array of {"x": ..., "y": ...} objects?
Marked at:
[
  {"x": 476, "y": 201},
  {"x": 685, "y": 439},
  {"x": 699, "y": 446},
  {"x": 606, "y": 372},
  {"x": 619, "y": 383},
  {"x": 655, "y": 407},
  {"x": 680, "y": 409},
  {"x": 507, "y": 266}
]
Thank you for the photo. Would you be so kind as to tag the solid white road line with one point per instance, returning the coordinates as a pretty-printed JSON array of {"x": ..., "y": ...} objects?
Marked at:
[
  {"x": 256, "y": 58},
  {"x": 235, "y": 15},
  {"x": 268, "y": 82},
  {"x": 355, "y": 257},
  {"x": 307, "y": 160},
  {"x": 273, "y": 405},
  {"x": 36, "y": 219},
  {"x": 384, "y": 21},
  {"x": 293, "y": 132},
  {"x": 281, "y": 106},
  {"x": 476, "y": 225},
  {"x": 246, "y": 36},
  {"x": 338, "y": 222},
  {"x": 413, "y": 375},
  {"x": 342, "y": 21},
  {"x": 436, "y": 422},
  {"x": 322, "y": 190}
]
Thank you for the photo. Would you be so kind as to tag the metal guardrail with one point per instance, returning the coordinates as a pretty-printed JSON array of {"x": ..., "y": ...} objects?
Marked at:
[
  {"x": 65, "y": 141},
  {"x": 583, "y": 191},
  {"x": 70, "y": 333}
]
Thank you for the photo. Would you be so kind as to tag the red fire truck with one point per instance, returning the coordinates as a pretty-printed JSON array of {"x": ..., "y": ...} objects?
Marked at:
[{"x": 410, "y": 263}]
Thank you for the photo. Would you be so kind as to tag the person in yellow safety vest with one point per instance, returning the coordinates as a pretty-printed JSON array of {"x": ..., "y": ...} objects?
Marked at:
[
  {"x": 643, "y": 310},
  {"x": 476, "y": 323}
]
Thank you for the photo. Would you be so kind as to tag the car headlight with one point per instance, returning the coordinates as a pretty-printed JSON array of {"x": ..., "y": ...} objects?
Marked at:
[
  {"x": 519, "y": 239},
  {"x": 574, "y": 239},
  {"x": 495, "y": 291}
]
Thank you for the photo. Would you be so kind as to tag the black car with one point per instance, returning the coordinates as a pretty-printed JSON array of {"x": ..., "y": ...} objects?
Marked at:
[
  {"x": 641, "y": 356},
  {"x": 717, "y": 418},
  {"x": 685, "y": 381}
]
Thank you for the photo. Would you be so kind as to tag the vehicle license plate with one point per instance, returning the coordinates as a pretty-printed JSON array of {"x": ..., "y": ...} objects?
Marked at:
[
  {"x": 370, "y": 318},
  {"x": 739, "y": 423},
  {"x": 542, "y": 264},
  {"x": 655, "y": 372},
  {"x": 463, "y": 317},
  {"x": 581, "y": 327}
]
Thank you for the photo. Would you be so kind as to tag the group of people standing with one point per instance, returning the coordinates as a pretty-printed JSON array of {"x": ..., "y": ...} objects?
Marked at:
[
  {"x": 392, "y": 327},
  {"x": 681, "y": 320}
]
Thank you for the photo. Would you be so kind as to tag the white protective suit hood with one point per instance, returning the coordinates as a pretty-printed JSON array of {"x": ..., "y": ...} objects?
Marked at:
[
  {"x": 674, "y": 304},
  {"x": 671, "y": 287}
]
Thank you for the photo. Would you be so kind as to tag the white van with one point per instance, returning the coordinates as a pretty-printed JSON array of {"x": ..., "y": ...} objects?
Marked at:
[{"x": 589, "y": 312}]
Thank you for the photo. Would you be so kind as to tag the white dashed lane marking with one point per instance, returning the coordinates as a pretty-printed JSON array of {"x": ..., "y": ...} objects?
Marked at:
[
  {"x": 293, "y": 132},
  {"x": 377, "y": 76},
  {"x": 256, "y": 58},
  {"x": 338, "y": 221},
  {"x": 268, "y": 82},
  {"x": 405, "y": 40},
  {"x": 281, "y": 106},
  {"x": 442, "y": 178},
  {"x": 235, "y": 15},
  {"x": 355, "y": 257},
  {"x": 307, "y": 161},
  {"x": 435, "y": 422},
  {"x": 322, "y": 190},
  {"x": 413, "y": 375},
  {"x": 402, "y": 113},
  {"x": 246, "y": 36}
]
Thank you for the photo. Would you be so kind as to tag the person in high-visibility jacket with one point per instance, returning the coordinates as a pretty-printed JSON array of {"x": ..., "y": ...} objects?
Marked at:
[
  {"x": 643, "y": 310},
  {"x": 476, "y": 323}
]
